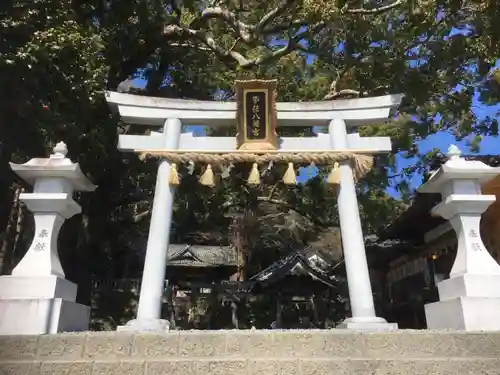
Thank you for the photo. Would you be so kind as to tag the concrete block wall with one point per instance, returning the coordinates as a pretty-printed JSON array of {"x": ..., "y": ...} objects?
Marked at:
[{"x": 315, "y": 352}]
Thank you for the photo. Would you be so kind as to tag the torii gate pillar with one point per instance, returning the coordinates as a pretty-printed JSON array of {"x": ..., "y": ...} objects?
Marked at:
[
  {"x": 153, "y": 276},
  {"x": 358, "y": 275}
]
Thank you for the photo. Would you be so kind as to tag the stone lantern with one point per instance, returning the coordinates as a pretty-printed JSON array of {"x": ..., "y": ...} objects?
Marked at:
[
  {"x": 470, "y": 298},
  {"x": 36, "y": 298}
]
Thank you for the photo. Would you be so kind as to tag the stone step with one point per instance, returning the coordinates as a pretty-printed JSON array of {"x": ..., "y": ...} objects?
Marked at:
[
  {"x": 279, "y": 366},
  {"x": 267, "y": 352},
  {"x": 251, "y": 344}
]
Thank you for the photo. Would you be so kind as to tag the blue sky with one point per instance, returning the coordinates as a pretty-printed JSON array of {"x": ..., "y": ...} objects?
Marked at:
[{"x": 442, "y": 140}]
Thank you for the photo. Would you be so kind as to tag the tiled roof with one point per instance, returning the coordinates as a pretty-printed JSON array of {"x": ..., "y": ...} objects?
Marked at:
[
  {"x": 297, "y": 263},
  {"x": 183, "y": 255}
]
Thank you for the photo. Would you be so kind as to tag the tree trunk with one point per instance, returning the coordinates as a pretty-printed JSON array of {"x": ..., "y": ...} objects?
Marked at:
[
  {"x": 279, "y": 311},
  {"x": 12, "y": 232},
  {"x": 238, "y": 244},
  {"x": 81, "y": 271},
  {"x": 234, "y": 315},
  {"x": 315, "y": 311},
  {"x": 19, "y": 226}
]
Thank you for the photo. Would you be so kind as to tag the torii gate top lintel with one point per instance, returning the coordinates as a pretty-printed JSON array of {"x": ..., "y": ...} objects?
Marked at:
[
  {"x": 147, "y": 110},
  {"x": 330, "y": 148}
]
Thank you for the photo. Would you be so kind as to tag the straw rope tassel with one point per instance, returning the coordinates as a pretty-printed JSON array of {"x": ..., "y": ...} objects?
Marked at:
[
  {"x": 290, "y": 178},
  {"x": 334, "y": 176},
  {"x": 173, "y": 178},
  {"x": 254, "y": 177},
  {"x": 360, "y": 163},
  {"x": 207, "y": 178}
]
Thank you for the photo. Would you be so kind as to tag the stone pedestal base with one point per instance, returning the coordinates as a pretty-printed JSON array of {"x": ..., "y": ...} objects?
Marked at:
[
  {"x": 34, "y": 287},
  {"x": 368, "y": 325},
  {"x": 468, "y": 302},
  {"x": 40, "y": 305},
  {"x": 464, "y": 313},
  {"x": 145, "y": 325},
  {"x": 42, "y": 316},
  {"x": 469, "y": 285}
]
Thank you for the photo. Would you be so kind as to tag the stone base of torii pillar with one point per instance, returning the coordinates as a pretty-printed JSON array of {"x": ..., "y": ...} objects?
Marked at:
[
  {"x": 470, "y": 299},
  {"x": 37, "y": 299}
]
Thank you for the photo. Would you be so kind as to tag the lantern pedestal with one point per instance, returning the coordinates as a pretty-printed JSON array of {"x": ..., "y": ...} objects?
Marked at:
[
  {"x": 36, "y": 305},
  {"x": 468, "y": 302},
  {"x": 37, "y": 299},
  {"x": 470, "y": 299}
]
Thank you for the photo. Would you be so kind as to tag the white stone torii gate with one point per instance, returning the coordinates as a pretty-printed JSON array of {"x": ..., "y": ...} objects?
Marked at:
[{"x": 338, "y": 116}]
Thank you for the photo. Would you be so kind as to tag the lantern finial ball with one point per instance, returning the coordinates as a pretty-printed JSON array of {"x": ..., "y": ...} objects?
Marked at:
[
  {"x": 453, "y": 152},
  {"x": 60, "y": 150}
]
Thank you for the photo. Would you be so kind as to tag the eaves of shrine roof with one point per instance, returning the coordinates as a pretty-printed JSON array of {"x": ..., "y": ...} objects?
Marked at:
[
  {"x": 296, "y": 263},
  {"x": 183, "y": 255}
]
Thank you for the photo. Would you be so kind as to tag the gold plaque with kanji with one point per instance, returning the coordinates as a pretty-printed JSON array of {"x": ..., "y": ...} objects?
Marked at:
[{"x": 256, "y": 115}]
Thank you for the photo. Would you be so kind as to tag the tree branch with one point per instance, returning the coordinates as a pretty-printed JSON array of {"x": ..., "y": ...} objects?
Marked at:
[
  {"x": 283, "y": 26},
  {"x": 292, "y": 45},
  {"x": 293, "y": 208},
  {"x": 139, "y": 217},
  {"x": 375, "y": 10},
  {"x": 242, "y": 30},
  {"x": 270, "y": 16},
  {"x": 338, "y": 94},
  {"x": 208, "y": 40},
  {"x": 245, "y": 32},
  {"x": 189, "y": 45},
  {"x": 254, "y": 34}
]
